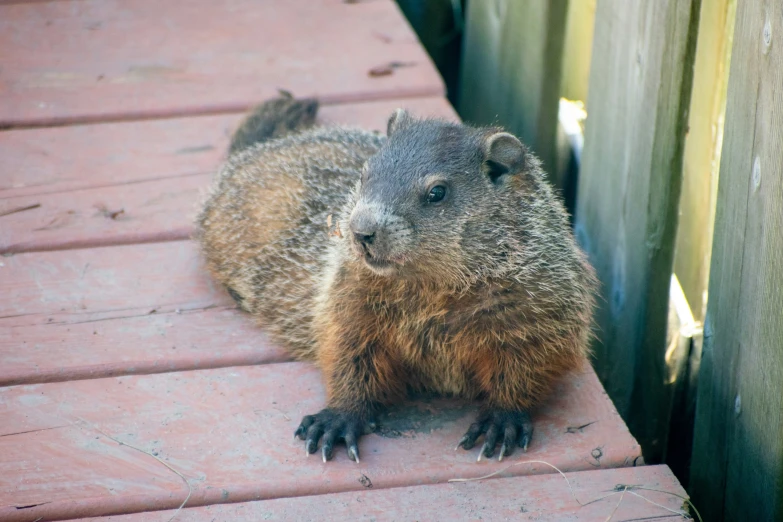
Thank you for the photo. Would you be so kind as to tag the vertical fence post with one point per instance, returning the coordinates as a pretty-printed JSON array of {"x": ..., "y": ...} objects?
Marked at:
[
  {"x": 696, "y": 216},
  {"x": 737, "y": 465},
  {"x": 629, "y": 185},
  {"x": 511, "y": 69}
]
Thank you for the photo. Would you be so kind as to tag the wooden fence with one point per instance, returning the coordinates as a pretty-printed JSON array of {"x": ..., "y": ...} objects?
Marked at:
[
  {"x": 738, "y": 446},
  {"x": 660, "y": 160}
]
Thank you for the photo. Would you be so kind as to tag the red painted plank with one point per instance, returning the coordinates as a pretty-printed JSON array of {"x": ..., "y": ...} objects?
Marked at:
[
  {"x": 48, "y": 160},
  {"x": 150, "y": 343},
  {"x": 59, "y": 159},
  {"x": 229, "y": 432},
  {"x": 519, "y": 498},
  {"x": 85, "y": 314},
  {"x": 97, "y": 60},
  {"x": 104, "y": 283},
  {"x": 133, "y": 182},
  {"x": 151, "y": 211}
]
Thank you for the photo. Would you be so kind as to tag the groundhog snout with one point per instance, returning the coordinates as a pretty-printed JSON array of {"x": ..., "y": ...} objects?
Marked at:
[
  {"x": 379, "y": 234},
  {"x": 364, "y": 229}
]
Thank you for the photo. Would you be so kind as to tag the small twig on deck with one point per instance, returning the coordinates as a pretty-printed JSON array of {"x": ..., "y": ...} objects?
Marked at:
[
  {"x": 121, "y": 443},
  {"x": 18, "y": 209}
]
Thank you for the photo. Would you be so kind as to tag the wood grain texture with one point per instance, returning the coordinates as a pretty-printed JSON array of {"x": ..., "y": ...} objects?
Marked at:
[
  {"x": 60, "y": 159},
  {"x": 229, "y": 432},
  {"x": 511, "y": 69},
  {"x": 518, "y": 498},
  {"x": 628, "y": 191},
  {"x": 143, "y": 343},
  {"x": 132, "y": 182},
  {"x": 696, "y": 215},
  {"x": 145, "y": 212},
  {"x": 105, "y": 283},
  {"x": 737, "y": 470},
  {"x": 98, "y": 312},
  {"x": 96, "y": 60},
  {"x": 140, "y": 309},
  {"x": 86, "y": 314}
]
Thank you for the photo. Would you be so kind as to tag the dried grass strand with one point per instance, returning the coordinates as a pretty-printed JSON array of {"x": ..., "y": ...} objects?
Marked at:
[
  {"x": 625, "y": 488},
  {"x": 121, "y": 443}
]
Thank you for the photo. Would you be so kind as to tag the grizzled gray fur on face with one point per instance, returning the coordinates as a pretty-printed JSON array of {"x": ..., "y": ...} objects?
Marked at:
[{"x": 430, "y": 173}]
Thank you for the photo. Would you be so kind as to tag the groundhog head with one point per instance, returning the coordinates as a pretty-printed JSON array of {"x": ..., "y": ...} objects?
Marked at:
[{"x": 435, "y": 200}]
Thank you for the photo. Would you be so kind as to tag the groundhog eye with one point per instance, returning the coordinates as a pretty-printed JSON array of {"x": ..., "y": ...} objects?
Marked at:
[{"x": 437, "y": 193}]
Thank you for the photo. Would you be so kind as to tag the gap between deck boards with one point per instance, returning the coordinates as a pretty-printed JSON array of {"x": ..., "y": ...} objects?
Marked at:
[{"x": 327, "y": 100}]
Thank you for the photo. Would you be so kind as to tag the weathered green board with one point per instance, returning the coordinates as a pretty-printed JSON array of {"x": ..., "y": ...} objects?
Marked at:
[
  {"x": 511, "y": 69},
  {"x": 629, "y": 184},
  {"x": 701, "y": 162},
  {"x": 737, "y": 467}
]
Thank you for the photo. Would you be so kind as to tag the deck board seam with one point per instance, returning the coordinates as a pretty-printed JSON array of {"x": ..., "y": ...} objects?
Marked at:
[
  {"x": 128, "y": 116},
  {"x": 107, "y": 185}
]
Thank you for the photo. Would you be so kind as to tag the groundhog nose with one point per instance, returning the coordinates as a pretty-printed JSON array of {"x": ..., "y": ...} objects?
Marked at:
[
  {"x": 363, "y": 236},
  {"x": 364, "y": 239},
  {"x": 364, "y": 229}
]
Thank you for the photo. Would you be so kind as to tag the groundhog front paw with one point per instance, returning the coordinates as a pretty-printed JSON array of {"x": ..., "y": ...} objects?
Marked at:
[
  {"x": 514, "y": 427},
  {"x": 334, "y": 426}
]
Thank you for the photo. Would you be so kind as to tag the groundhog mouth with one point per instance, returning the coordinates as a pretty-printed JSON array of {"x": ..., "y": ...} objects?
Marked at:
[
  {"x": 376, "y": 262},
  {"x": 380, "y": 265}
]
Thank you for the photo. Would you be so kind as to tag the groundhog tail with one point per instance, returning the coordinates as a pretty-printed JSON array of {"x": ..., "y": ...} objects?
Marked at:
[{"x": 275, "y": 118}]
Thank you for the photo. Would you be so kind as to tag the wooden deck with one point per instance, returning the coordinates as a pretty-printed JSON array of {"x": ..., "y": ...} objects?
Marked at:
[{"x": 129, "y": 383}]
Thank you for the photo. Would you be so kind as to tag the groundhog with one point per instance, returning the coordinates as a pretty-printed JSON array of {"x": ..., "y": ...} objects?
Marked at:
[{"x": 433, "y": 259}]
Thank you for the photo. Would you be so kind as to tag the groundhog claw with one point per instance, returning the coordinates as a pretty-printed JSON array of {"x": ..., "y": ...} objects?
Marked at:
[
  {"x": 512, "y": 428},
  {"x": 331, "y": 426}
]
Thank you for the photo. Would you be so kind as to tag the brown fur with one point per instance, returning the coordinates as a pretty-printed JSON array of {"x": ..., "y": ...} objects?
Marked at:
[{"x": 491, "y": 299}]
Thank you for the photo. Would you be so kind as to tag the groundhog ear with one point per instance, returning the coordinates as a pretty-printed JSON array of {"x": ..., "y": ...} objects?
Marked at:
[
  {"x": 397, "y": 121},
  {"x": 503, "y": 154}
]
